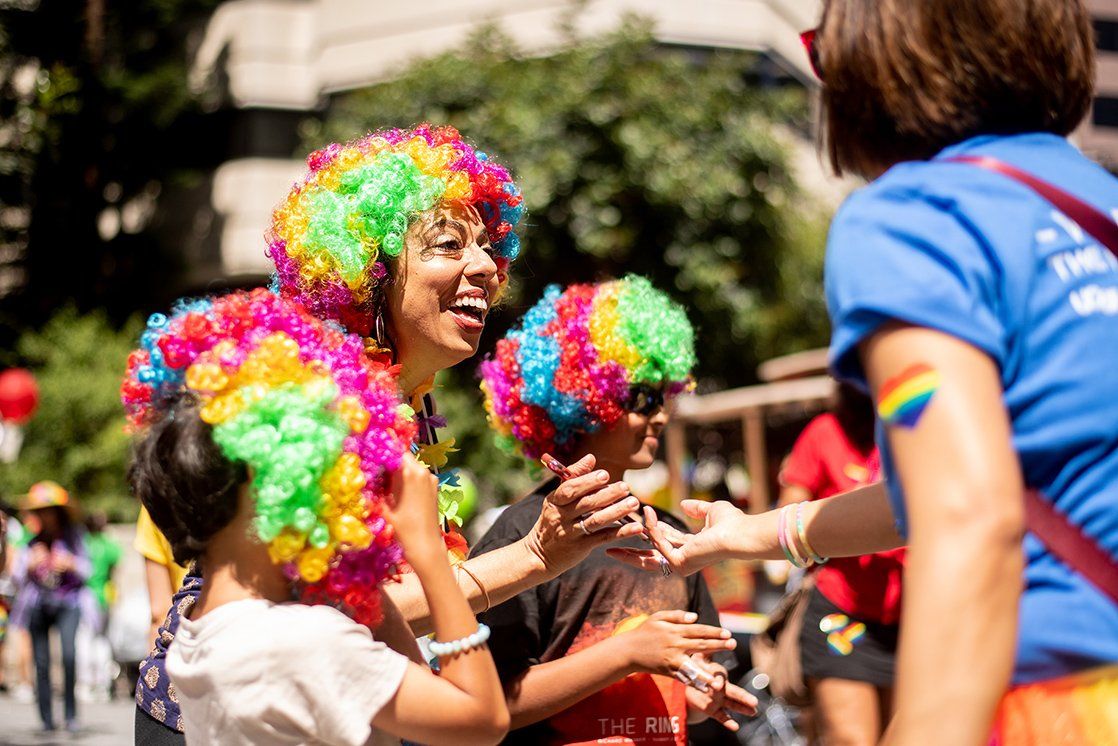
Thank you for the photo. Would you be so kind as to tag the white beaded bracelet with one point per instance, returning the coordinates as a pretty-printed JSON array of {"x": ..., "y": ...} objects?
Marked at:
[{"x": 454, "y": 647}]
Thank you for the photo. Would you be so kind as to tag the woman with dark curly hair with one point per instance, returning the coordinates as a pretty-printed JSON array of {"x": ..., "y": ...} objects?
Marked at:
[{"x": 973, "y": 292}]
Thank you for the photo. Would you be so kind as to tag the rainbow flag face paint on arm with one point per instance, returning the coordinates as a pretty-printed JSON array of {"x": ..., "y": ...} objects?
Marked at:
[{"x": 904, "y": 398}]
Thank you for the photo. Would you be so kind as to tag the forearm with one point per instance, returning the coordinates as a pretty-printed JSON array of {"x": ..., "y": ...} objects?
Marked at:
[
  {"x": 548, "y": 688},
  {"x": 970, "y": 574},
  {"x": 504, "y": 573},
  {"x": 847, "y": 525},
  {"x": 452, "y": 619},
  {"x": 394, "y": 632}
]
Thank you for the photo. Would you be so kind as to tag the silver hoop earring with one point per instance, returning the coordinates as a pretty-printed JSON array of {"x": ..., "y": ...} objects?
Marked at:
[{"x": 378, "y": 331}]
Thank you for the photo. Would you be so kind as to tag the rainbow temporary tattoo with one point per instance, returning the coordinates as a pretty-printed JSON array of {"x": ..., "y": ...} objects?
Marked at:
[{"x": 904, "y": 397}]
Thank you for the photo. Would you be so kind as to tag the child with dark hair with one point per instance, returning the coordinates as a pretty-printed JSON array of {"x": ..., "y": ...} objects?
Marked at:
[{"x": 274, "y": 453}]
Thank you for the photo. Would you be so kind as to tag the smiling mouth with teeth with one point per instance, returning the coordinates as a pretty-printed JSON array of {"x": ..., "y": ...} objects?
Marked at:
[{"x": 470, "y": 310}]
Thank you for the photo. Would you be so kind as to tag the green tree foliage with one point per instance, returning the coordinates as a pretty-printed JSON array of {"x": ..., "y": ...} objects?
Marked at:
[
  {"x": 77, "y": 436},
  {"x": 633, "y": 157},
  {"x": 98, "y": 128}
]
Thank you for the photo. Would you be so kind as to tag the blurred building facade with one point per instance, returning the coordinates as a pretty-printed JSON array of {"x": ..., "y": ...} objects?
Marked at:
[
  {"x": 1099, "y": 134},
  {"x": 275, "y": 61}
]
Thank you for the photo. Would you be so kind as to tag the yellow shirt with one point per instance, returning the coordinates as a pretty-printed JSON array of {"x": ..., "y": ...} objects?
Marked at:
[{"x": 152, "y": 544}]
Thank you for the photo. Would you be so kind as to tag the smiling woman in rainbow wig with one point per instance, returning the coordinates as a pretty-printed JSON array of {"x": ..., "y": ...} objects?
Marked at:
[
  {"x": 588, "y": 370},
  {"x": 407, "y": 236},
  {"x": 257, "y": 419}
]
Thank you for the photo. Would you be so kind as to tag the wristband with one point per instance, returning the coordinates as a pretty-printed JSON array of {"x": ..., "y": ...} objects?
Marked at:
[
  {"x": 485, "y": 593},
  {"x": 802, "y": 534},
  {"x": 461, "y": 645},
  {"x": 782, "y": 538}
]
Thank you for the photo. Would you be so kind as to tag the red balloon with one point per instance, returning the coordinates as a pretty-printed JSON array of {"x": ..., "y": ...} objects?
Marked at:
[{"x": 19, "y": 395}]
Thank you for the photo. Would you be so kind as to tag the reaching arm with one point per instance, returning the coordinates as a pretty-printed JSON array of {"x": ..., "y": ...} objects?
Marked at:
[
  {"x": 851, "y": 524},
  {"x": 553, "y": 545},
  {"x": 394, "y": 632},
  {"x": 471, "y": 705},
  {"x": 963, "y": 491}
]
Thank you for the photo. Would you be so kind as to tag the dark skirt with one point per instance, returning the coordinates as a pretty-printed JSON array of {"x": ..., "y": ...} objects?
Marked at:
[{"x": 151, "y": 732}]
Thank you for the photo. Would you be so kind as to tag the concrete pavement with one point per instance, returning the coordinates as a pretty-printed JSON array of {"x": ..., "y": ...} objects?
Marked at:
[{"x": 103, "y": 724}]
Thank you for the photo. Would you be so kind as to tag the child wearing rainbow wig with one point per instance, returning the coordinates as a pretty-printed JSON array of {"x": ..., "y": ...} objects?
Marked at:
[
  {"x": 272, "y": 450},
  {"x": 603, "y": 650}
]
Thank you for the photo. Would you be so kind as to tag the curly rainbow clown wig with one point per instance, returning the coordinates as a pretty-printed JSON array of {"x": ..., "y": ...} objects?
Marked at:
[
  {"x": 331, "y": 237},
  {"x": 568, "y": 367},
  {"x": 318, "y": 425}
]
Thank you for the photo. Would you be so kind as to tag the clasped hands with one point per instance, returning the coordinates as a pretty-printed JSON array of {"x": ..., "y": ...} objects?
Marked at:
[{"x": 722, "y": 531}]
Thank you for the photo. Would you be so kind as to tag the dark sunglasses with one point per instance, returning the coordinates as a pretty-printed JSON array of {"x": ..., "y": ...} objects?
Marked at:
[
  {"x": 645, "y": 399},
  {"x": 807, "y": 38}
]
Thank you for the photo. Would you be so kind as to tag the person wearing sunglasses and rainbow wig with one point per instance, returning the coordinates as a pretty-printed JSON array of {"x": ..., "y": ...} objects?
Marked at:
[{"x": 602, "y": 650}]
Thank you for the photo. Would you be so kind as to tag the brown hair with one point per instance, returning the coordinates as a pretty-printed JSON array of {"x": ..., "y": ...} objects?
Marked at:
[{"x": 904, "y": 79}]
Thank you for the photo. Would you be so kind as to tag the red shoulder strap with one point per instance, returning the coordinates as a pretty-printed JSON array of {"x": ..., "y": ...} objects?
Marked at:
[
  {"x": 1090, "y": 219},
  {"x": 1069, "y": 544},
  {"x": 1063, "y": 539}
]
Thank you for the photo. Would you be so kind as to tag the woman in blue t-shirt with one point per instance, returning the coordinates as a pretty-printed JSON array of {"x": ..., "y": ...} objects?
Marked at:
[{"x": 985, "y": 324}]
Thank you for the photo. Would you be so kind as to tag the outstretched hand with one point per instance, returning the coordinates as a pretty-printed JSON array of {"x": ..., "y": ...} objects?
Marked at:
[{"x": 687, "y": 553}]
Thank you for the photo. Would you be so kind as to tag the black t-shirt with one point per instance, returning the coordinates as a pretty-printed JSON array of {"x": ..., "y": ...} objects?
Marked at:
[{"x": 592, "y": 601}]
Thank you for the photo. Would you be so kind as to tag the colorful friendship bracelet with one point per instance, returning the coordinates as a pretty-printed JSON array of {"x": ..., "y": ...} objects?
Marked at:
[
  {"x": 462, "y": 644},
  {"x": 802, "y": 534},
  {"x": 783, "y": 538}
]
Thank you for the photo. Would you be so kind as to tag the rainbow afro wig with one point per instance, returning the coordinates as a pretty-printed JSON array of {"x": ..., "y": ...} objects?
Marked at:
[
  {"x": 318, "y": 424},
  {"x": 567, "y": 368},
  {"x": 331, "y": 236}
]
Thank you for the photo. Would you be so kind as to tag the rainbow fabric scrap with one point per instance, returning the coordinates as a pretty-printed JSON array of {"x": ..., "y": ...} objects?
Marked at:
[
  {"x": 319, "y": 424},
  {"x": 1079, "y": 710}
]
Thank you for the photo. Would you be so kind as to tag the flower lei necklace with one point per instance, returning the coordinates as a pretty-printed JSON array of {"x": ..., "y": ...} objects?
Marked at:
[{"x": 432, "y": 454}]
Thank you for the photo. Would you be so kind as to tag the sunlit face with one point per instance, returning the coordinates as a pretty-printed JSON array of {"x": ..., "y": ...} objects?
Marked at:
[
  {"x": 444, "y": 282},
  {"x": 630, "y": 443}
]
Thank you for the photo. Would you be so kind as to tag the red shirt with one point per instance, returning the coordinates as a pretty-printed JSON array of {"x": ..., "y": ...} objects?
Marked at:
[{"x": 825, "y": 463}]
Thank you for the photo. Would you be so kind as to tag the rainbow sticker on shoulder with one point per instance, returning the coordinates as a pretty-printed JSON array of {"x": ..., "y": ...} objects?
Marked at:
[{"x": 904, "y": 398}]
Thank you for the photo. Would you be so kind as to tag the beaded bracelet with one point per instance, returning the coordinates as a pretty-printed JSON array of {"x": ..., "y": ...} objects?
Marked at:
[
  {"x": 802, "y": 534},
  {"x": 461, "y": 645}
]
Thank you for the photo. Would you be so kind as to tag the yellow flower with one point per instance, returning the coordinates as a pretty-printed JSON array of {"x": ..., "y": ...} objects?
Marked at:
[{"x": 434, "y": 456}]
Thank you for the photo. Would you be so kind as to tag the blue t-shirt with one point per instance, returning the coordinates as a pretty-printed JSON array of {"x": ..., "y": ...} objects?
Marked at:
[{"x": 974, "y": 254}]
